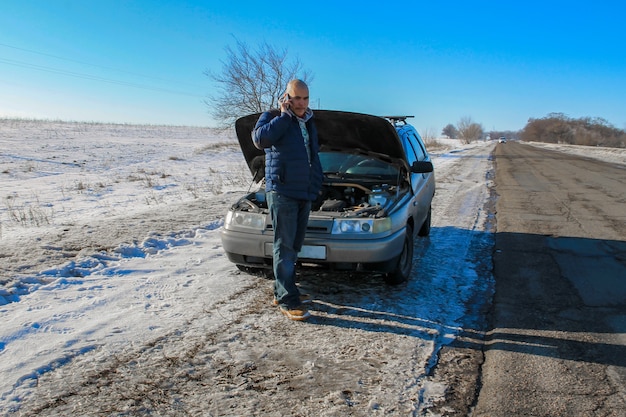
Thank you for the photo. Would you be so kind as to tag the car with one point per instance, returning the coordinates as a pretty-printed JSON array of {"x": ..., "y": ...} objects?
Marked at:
[
  {"x": 502, "y": 139},
  {"x": 376, "y": 198}
]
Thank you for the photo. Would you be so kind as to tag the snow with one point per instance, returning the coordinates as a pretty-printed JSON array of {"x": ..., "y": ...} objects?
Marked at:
[
  {"x": 55, "y": 175},
  {"x": 109, "y": 239}
]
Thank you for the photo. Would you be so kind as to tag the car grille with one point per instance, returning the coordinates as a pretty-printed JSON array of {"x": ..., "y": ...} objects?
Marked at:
[{"x": 314, "y": 226}]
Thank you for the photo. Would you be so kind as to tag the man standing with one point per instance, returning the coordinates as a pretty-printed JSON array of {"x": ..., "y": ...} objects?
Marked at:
[{"x": 293, "y": 178}]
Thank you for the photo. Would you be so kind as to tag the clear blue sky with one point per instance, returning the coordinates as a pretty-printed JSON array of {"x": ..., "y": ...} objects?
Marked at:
[{"x": 144, "y": 61}]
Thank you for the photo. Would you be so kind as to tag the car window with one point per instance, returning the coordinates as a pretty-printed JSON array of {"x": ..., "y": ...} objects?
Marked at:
[
  {"x": 343, "y": 163},
  {"x": 333, "y": 161},
  {"x": 418, "y": 147},
  {"x": 411, "y": 156}
]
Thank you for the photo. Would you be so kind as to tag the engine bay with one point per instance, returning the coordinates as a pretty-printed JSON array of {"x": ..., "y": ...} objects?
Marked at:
[{"x": 346, "y": 199}]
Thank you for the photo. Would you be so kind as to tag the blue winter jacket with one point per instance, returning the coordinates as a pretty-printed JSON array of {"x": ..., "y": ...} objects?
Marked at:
[{"x": 287, "y": 167}]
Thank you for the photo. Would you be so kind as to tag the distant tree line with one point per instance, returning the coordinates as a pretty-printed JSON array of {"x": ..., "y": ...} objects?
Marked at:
[
  {"x": 554, "y": 128},
  {"x": 508, "y": 134},
  {"x": 588, "y": 131},
  {"x": 466, "y": 130}
]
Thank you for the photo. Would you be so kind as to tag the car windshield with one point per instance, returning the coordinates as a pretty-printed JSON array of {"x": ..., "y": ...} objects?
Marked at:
[{"x": 349, "y": 165}]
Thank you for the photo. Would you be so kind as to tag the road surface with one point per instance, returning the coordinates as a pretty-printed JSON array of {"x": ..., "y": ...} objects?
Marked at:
[{"x": 557, "y": 346}]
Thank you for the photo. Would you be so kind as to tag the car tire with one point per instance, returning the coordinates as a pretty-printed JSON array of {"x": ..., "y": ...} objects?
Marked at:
[
  {"x": 425, "y": 229},
  {"x": 403, "y": 269}
]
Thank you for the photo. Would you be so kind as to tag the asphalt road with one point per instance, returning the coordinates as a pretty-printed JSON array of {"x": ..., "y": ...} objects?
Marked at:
[{"x": 557, "y": 344}]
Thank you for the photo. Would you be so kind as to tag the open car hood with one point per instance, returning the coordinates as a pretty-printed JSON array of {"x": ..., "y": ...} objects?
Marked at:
[{"x": 337, "y": 131}]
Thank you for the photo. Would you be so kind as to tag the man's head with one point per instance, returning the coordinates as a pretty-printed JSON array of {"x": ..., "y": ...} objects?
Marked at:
[{"x": 299, "y": 96}]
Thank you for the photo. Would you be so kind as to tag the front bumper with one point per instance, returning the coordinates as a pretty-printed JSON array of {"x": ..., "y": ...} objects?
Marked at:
[{"x": 256, "y": 249}]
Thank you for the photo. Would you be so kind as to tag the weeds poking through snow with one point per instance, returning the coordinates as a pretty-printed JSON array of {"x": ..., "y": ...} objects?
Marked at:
[{"x": 26, "y": 214}]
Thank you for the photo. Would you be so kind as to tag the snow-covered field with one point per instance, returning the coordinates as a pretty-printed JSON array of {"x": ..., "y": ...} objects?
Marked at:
[{"x": 110, "y": 259}]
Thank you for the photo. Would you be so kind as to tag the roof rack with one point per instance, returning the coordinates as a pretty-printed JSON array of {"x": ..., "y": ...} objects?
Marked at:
[{"x": 397, "y": 119}]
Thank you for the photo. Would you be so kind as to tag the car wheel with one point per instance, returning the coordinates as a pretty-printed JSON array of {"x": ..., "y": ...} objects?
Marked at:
[
  {"x": 425, "y": 229},
  {"x": 405, "y": 261}
]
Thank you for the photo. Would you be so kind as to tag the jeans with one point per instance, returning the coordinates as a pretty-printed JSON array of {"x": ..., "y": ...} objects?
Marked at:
[{"x": 289, "y": 219}]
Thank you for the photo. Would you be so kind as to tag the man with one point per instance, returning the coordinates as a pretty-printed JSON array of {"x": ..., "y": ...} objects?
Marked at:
[{"x": 293, "y": 178}]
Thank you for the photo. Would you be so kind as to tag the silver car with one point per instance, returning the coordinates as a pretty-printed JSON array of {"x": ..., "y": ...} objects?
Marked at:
[{"x": 376, "y": 197}]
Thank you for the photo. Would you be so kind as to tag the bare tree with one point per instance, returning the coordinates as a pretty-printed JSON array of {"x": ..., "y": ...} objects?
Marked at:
[
  {"x": 251, "y": 81},
  {"x": 450, "y": 131},
  {"x": 559, "y": 128},
  {"x": 469, "y": 130},
  {"x": 428, "y": 133},
  {"x": 429, "y": 136}
]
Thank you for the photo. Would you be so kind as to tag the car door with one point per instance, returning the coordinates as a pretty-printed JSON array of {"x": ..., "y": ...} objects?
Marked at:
[{"x": 422, "y": 184}]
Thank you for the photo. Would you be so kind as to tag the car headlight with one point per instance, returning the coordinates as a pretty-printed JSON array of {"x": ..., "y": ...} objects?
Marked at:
[
  {"x": 244, "y": 219},
  {"x": 361, "y": 226}
]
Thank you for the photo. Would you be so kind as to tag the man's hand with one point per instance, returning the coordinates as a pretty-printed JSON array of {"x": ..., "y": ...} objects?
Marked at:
[{"x": 285, "y": 103}]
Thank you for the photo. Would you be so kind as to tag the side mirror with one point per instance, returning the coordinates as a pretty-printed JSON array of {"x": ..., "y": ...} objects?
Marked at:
[{"x": 422, "y": 167}]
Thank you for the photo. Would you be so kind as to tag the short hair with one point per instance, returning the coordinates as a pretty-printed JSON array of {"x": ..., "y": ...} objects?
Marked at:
[{"x": 296, "y": 83}]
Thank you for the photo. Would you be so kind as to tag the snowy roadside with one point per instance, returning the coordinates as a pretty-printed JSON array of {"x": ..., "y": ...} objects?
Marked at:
[
  {"x": 114, "y": 266},
  {"x": 612, "y": 155},
  {"x": 89, "y": 214}
]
